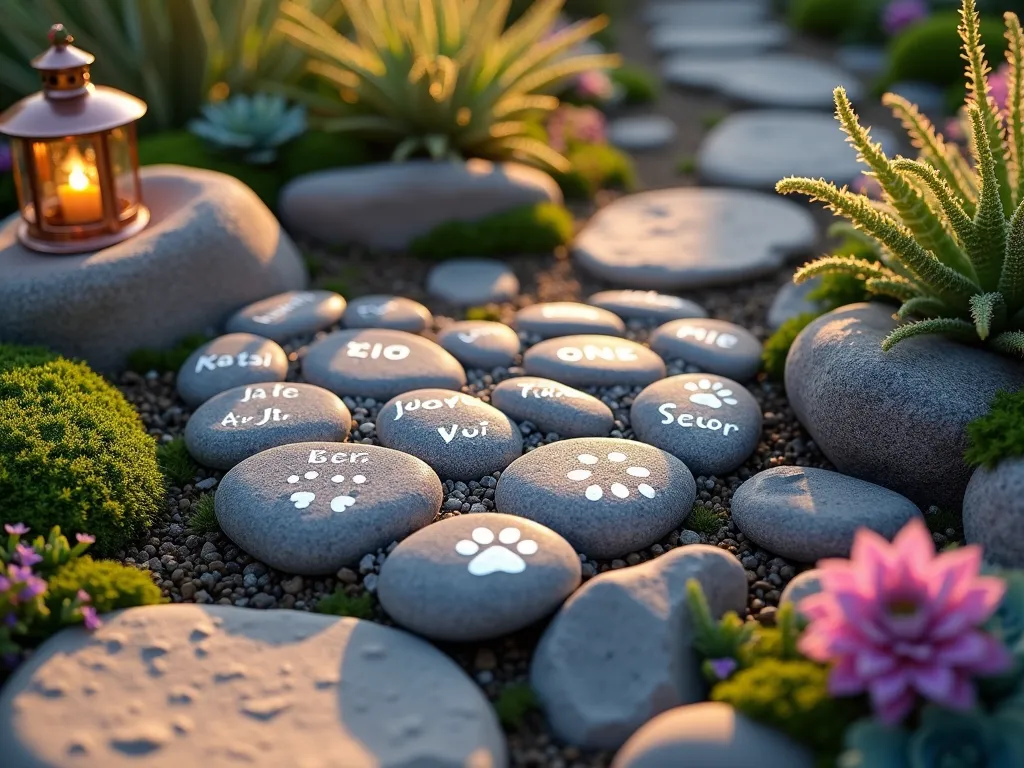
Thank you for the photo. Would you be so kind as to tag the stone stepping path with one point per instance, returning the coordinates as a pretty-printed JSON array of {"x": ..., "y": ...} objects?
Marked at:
[
  {"x": 725, "y": 40},
  {"x": 480, "y": 343},
  {"x": 594, "y": 361},
  {"x": 395, "y": 312},
  {"x": 642, "y": 132},
  {"x": 715, "y": 346},
  {"x": 230, "y": 361},
  {"x": 471, "y": 282},
  {"x": 553, "y": 407},
  {"x": 646, "y": 305},
  {"x": 708, "y": 13},
  {"x": 865, "y": 60},
  {"x": 287, "y": 315},
  {"x": 565, "y": 318}
]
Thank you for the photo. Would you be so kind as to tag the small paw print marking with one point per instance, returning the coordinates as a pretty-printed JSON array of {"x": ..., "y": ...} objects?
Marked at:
[
  {"x": 503, "y": 557},
  {"x": 711, "y": 395},
  {"x": 341, "y": 503},
  {"x": 594, "y": 492},
  {"x": 302, "y": 499}
]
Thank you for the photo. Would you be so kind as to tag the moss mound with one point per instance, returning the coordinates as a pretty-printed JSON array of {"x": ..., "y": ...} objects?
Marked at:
[
  {"x": 111, "y": 586},
  {"x": 596, "y": 167},
  {"x": 999, "y": 434},
  {"x": 776, "y": 348},
  {"x": 930, "y": 50},
  {"x": 828, "y": 19},
  {"x": 639, "y": 86},
  {"x": 530, "y": 229}
]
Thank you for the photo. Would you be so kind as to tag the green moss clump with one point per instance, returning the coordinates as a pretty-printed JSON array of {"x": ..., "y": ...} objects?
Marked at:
[
  {"x": 686, "y": 165},
  {"x": 73, "y": 452},
  {"x": 110, "y": 585},
  {"x": 176, "y": 462},
  {"x": 712, "y": 118},
  {"x": 514, "y": 703},
  {"x": 343, "y": 604},
  {"x": 639, "y": 86},
  {"x": 776, "y": 348},
  {"x": 536, "y": 228},
  {"x": 999, "y": 434},
  {"x": 142, "y": 361},
  {"x": 318, "y": 151},
  {"x": 703, "y": 520},
  {"x": 485, "y": 312},
  {"x": 596, "y": 167},
  {"x": 930, "y": 50},
  {"x": 203, "y": 519},
  {"x": 827, "y": 19}
]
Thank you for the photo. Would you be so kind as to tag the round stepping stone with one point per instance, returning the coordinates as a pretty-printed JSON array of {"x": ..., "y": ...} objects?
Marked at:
[
  {"x": 217, "y": 685},
  {"x": 792, "y": 301},
  {"x": 641, "y": 132},
  {"x": 607, "y": 497},
  {"x": 470, "y": 282},
  {"x": 708, "y": 13},
  {"x": 380, "y": 363},
  {"x": 866, "y": 60},
  {"x": 477, "y": 577},
  {"x": 295, "y": 313},
  {"x": 646, "y": 305},
  {"x": 243, "y": 421},
  {"x": 480, "y": 343},
  {"x": 460, "y": 436},
  {"x": 928, "y": 97},
  {"x": 315, "y": 507},
  {"x": 227, "y": 362},
  {"x": 714, "y": 346},
  {"x": 598, "y": 361},
  {"x": 709, "y": 422},
  {"x": 757, "y": 149},
  {"x": 394, "y": 312},
  {"x": 805, "y": 514},
  {"x": 727, "y": 39},
  {"x": 693, "y": 238},
  {"x": 567, "y": 318},
  {"x": 553, "y": 407}
]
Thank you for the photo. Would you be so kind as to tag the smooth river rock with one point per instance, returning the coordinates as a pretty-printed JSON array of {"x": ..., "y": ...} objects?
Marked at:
[
  {"x": 726, "y": 40},
  {"x": 395, "y": 312},
  {"x": 585, "y": 361},
  {"x": 286, "y": 315},
  {"x": 715, "y": 346},
  {"x": 553, "y": 407},
  {"x": 471, "y": 282},
  {"x": 791, "y": 301},
  {"x": 994, "y": 512},
  {"x": 230, "y": 361},
  {"x": 567, "y": 318},
  {"x": 707, "y": 13},
  {"x": 480, "y": 343},
  {"x": 637, "y": 133},
  {"x": 646, "y": 305}
]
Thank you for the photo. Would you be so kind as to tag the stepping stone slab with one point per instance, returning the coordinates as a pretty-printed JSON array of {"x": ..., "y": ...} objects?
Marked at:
[
  {"x": 585, "y": 361},
  {"x": 567, "y": 318},
  {"x": 553, "y": 407},
  {"x": 471, "y": 282},
  {"x": 715, "y": 346},
  {"x": 477, "y": 577},
  {"x": 688, "y": 238},
  {"x": 866, "y": 60},
  {"x": 641, "y": 132},
  {"x": 723, "y": 40},
  {"x": 296, "y": 313},
  {"x": 460, "y": 436},
  {"x": 792, "y": 301},
  {"x": 708, "y": 13},
  {"x": 480, "y": 343},
  {"x": 607, "y": 497},
  {"x": 620, "y": 650},
  {"x": 711, "y": 423},
  {"x": 380, "y": 363},
  {"x": 312, "y": 508},
  {"x": 394, "y": 312},
  {"x": 646, "y": 305},
  {"x": 994, "y": 512},
  {"x": 227, "y": 362},
  {"x": 165, "y": 685},
  {"x": 928, "y": 97},
  {"x": 806, "y": 514},
  {"x": 243, "y": 421}
]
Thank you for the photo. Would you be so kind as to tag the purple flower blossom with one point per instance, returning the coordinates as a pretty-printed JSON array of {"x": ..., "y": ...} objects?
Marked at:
[
  {"x": 92, "y": 621},
  {"x": 5, "y": 583},
  {"x": 27, "y": 555},
  {"x": 31, "y": 585},
  {"x": 11, "y": 619},
  {"x": 999, "y": 85},
  {"x": 723, "y": 668},
  {"x": 900, "y": 14},
  {"x": 16, "y": 529},
  {"x": 85, "y": 538}
]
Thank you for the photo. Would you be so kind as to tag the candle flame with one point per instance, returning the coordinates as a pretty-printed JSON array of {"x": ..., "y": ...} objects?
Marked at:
[{"x": 77, "y": 179}]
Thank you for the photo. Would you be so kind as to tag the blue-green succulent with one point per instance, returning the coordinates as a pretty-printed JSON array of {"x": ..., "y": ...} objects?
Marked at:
[{"x": 251, "y": 126}]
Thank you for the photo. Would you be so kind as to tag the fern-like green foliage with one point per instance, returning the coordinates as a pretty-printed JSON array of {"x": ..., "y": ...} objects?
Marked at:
[{"x": 951, "y": 233}]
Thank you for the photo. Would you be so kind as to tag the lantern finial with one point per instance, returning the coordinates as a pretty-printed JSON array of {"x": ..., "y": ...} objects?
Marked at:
[{"x": 59, "y": 36}]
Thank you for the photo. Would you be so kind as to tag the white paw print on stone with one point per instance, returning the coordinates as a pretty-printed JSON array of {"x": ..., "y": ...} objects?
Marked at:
[
  {"x": 302, "y": 499},
  {"x": 711, "y": 395},
  {"x": 595, "y": 492},
  {"x": 503, "y": 557}
]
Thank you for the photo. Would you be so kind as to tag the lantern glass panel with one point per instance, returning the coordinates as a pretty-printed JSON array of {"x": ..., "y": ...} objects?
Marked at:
[
  {"x": 22, "y": 178},
  {"x": 70, "y": 184},
  {"x": 120, "y": 150}
]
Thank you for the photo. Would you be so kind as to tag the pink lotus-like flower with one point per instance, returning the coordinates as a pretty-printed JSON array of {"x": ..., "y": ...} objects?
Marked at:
[
  {"x": 569, "y": 125},
  {"x": 901, "y": 623}
]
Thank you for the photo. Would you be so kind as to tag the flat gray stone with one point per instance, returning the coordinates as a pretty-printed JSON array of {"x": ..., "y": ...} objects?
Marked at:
[
  {"x": 585, "y": 361},
  {"x": 459, "y": 436},
  {"x": 688, "y": 238},
  {"x": 553, "y": 407},
  {"x": 567, "y": 318},
  {"x": 715, "y": 346},
  {"x": 477, "y": 577},
  {"x": 866, "y": 60},
  {"x": 708, "y": 13},
  {"x": 315, "y": 507},
  {"x": 607, "y": 497},
  {"x": 211, "y": 246},
  {"x": 295, "y": 313},
  {"x": 227, "y": 362},
  {"x": 640, "y": 132},
  {"x": 802, "y": 585},
  {"x": 806, "y": 514},
  {"x": 388, "y": 205},
  {"x": 620, "y": 650},
  {"x": 994, "y": 512},
  {"x": 379, "y": 363},
  {"x": 725, "y": 40},
  {"x": 792, "y": 301},
  {"x": 243, "y": 421},
  {"x": 929, "y": 98},
  {"x": 710, "y": 423},
  {"x": 646, "y": 305},
  {"x": 165, "y": 685},
  {"x": 480, "y": 343},
  {"x": 471, "y": 282},
  {"x": 897, "y": 418},
  {"x": 395, "y": 312}
]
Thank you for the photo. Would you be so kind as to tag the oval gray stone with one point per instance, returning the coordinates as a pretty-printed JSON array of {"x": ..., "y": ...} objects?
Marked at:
[
  {"x": 720, "y": 41},
  {"x": 566, "y": 318},
  {"x": 585, "y": 361},
  {"x": 994, "y": 512},
  {"x": 243, "y": 421},
  {"x": 480, "y": 343},
  {"x": 714, "y": 346},
  {"x": 230, "y": 361},
  {"x": 379, "y": 363},
  {"x": 477, "y": 577},
  {"x": 607, "y": 497},
  {"x": 639, "y": 132},
  {"x": 471, "y": 282},
  {"x": 806, "y": 514},
  {"x": 646, "y": 305},
  {"x": 296, "y": 313},
  {"x": 710, "y": 423},
  {"x": 395, "y": 312},
  {"x": 791, "y": 301},
  {"x": 460, "y": 436},
  {"x": 802, "y": 585},
  {"x": 553, "y": 407},
  {"x": 315, "y": 507},
  {"x": 707, "y": 13}
]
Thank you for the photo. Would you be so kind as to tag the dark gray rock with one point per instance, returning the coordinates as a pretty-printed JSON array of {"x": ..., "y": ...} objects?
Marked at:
[
  {"x": 471, "y": 282},
  {"x": 726, "y": 40},
  {"x": 480, "y": 343},
  {"x": 553, "y": 407},
  {"x": 295, "y": 313},
  {"x": 477, "y": 577},
  {"x": 620, "y": 650},
  {"x": 315, "y": 507},
  {"x": 227, "y": 362},
  {"x": 646, "y": 305},
  {"x": 792, "y": 301},
  {"x": 394, "y": 312},
  {"x": 714, "y": 346},
  {"x": 866, "y": 60},
  {"x": 640, "y": 132},
  {"x": 994, "y": 512},
  {"x": 243, "y": 421},
  {"x": 896, "y": 418},
  {"x": 803, "y": 585},
  {"x": 567, "y": 318},
  {"x": 594, "y": 361}
]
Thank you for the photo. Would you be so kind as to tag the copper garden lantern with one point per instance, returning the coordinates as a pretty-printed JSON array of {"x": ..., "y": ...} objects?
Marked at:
[{"x": 74, "y": 156}]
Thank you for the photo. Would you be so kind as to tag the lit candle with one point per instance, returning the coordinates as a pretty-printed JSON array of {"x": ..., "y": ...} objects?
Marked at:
[{"x": 80, "y": 199}]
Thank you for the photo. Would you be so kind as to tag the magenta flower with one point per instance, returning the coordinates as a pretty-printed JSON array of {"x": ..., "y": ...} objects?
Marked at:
[
  {"x": 31, "y": 585},
  {"x": 85, "y": 538},
  {"x": 569, "y": 125},
  {"x": 27, "y": 555},
  {"x": 900, "y": 14},
  {"x": 595, "y": 85},
  {"x": 17, "y": 529},
  {"x": 723, "y": 668},
  {"x": 999, "y": 85},
  {"x": 90, "y": 618},
  {"x": 899, "y": 622}
]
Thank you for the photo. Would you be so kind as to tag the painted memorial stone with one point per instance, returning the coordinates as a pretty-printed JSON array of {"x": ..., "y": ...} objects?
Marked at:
[
  {"x": 714, "y": 346},
  {"x": 480, "y": 343},
  {"x": 379, "y": 363},
  {"x": 709, "y": 422},
  {"x": 395, "y": 312},
  {"x": 553, "y": 407},
  {"x": 565, "y": 318},
  {"x": 607, "y": 497},
  {"x": 471, "y": 282},
  {"x": 460, "y": 436},
  {"x": 315, "y": 507},
  {"x": 230, "y": 361},
  {"x": 477, "y": 577},
  {"x": 646, "y": 305},
  {"x": 295, "y": 313},
  {"x": 584, "y": 361},
  {"x": 243, "y": 421}
]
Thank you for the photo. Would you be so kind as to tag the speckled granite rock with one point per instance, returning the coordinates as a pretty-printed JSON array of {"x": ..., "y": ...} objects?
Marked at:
[{"x": 994, "y": 512}]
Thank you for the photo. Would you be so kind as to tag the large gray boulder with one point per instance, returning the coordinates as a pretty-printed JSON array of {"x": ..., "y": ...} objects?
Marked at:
[{"x": 994, "y": 512}]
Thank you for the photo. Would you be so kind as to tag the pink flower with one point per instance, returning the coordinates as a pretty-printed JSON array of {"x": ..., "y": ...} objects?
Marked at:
[
  {"x": 900, "y": 14},
  {"x": 596, "y": 85},
  {"x": 899, "y": 622},
  {"x": 31, "y": 585},
  {"x": 17, "y": 529},
  {"x": 569, "y": 125},
  {"x": 89, "y": 617},
  {"x": 27, "y": 555},
  {"x": 999, "y": 85},
  {"x": 85, "y": 538}
]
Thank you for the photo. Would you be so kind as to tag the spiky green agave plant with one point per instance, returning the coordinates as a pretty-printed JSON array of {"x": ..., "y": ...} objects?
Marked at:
[
  {"x": 443, "y": 76},
  {"x": 951, "y": 233}
]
